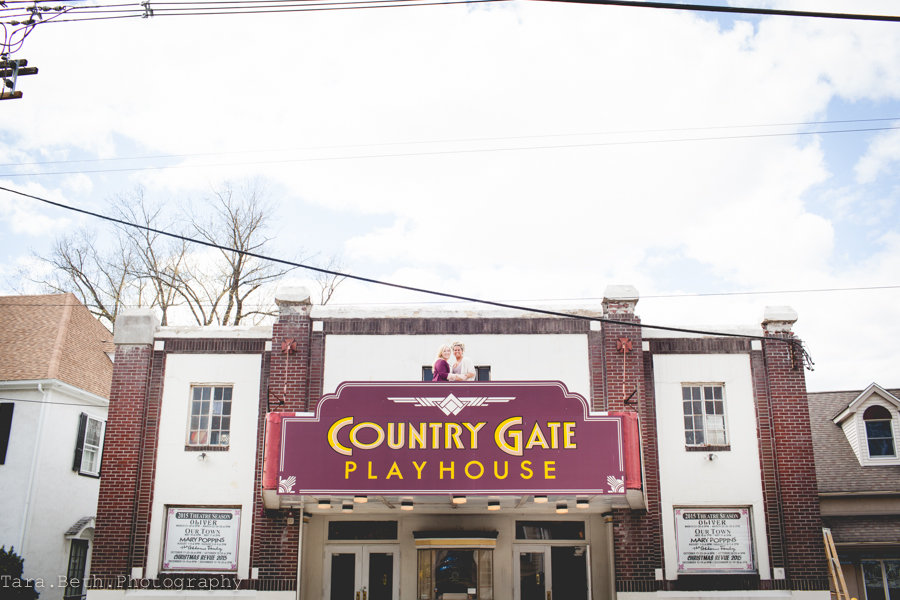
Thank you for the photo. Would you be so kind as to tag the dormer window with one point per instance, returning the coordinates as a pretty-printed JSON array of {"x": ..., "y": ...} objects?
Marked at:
[
  {"x": 879, "y": 432},
  {"x": 870, "y": 424}
]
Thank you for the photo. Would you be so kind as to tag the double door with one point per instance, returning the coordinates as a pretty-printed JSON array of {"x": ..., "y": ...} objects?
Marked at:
[
  {"x": 362, "y": 572},
  {"x": 551, "y": 572}
]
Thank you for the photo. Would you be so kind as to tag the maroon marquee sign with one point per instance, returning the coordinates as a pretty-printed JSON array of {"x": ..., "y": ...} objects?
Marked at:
[{"x": 437, "y": 438}]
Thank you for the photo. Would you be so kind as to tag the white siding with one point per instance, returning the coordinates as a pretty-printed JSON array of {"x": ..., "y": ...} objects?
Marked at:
[
  {"x": 691, "y": 478},
  {"x": 223, "y": 478},
  {"x": 562, "y": 357}
]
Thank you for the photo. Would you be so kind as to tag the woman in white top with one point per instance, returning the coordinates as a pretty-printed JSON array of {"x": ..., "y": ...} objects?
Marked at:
[{"x": 463, "y": 369}]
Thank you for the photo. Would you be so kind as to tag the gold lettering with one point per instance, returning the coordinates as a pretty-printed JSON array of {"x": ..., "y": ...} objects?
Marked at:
[
  {"x": 526, "y": 468},
  {"x": 569, "y": 434},
  {"x": 371, "y": 476},
  {"x": 549, "y": 469},
  {"x": 514, "y": 448},
  {"x": 443, "y": 469},
  {"x": 480, "y": 469},
  {"x": 419, "y": 468},
  {"x": 451, "y": 433},
  {"x": 396, "y": 442},
  {"x": 349, "y": 467},
  {"x": 416, "y": 436},
  {"x": 536, "y": 438},
  {"x": 505, "y": 470},
  {"x": 435, "y": 434},
  {"x": 394, "y": 471},
  {"x": 379, "y": 435},
  {"x": 554, "y": 433},
  {"x": 333, "y": 433},
  {"x": 474, "y": 429}
]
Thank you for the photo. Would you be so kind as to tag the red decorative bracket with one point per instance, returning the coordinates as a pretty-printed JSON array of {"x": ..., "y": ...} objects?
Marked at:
[{"x": 624, "y": 345}]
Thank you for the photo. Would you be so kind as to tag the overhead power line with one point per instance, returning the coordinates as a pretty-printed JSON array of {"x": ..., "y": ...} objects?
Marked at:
[
  {"x": 409, "y": 288},
  {"x": 742, "y": 10},
  {"x": 444, "y": 141},
  {"x": 449, "y": 152}
]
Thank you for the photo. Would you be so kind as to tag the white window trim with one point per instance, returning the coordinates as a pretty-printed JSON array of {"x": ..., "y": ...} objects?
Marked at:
[
  {"x": 82, "y": 443},
  {"x": 190, "y": 405},
  {"x": 863, "y": 436},
  {"x": 727, "y": 428}
]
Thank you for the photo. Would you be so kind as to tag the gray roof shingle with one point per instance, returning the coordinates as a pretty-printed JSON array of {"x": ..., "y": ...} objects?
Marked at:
[{"x": 837, "y": 468}]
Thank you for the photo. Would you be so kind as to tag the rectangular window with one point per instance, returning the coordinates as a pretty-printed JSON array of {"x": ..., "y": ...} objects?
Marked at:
[
  {"x": 482, "y": 373},
  {"x": 704, "y": 415},
  {"x": 549, "y": 530},
  {"x": 89, "y": 446},
  {"x": 362, "y": 530},
  {"x": 75, "y": 572},
  {"x": 210, "y": 420},
  {"x": 6, "y": 413}
]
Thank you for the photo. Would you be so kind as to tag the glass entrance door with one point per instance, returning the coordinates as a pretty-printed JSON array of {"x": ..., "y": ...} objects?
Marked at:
[
  {"x": 361, "y": 572},
  {"x": 548, "y": 572}
]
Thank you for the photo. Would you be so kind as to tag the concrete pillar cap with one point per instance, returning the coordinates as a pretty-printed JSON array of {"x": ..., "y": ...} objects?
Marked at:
[
  {"x": 135, "y": 326},
  {"x": 778, "y": 318},
  {"x": 620, "y": 300}
]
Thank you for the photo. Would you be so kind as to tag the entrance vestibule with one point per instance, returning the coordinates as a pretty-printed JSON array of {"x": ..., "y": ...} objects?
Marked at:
[{"x": 362, "y": 572}]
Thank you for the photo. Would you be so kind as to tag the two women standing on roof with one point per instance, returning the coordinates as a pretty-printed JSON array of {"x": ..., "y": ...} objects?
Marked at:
[{"x": 463, "y": 369}]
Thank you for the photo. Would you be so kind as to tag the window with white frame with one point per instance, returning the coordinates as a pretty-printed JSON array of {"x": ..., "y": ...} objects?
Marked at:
[
  {"x": 89, "y": 446},
  {"x": 879, "y": 432},
  {"x": 704, "y": 415},
  {"x": 882, "y": 579},
  {"x": 210, "y": 418}
]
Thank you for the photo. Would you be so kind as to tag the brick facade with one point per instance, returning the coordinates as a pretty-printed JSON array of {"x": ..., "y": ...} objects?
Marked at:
[
  {"x": 621, "y": 379},
  {"x": 120, "y": 489}
]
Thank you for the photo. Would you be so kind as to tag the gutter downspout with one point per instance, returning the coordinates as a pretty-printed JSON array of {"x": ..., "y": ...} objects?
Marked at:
[{"x": 32, "y": 475}]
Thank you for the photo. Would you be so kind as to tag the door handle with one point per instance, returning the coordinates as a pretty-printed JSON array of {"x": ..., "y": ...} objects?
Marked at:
[
  {"x": 357, "y": 594},
  {"x": 365, "y": 594},
  {"x": 549, "y": 594}
]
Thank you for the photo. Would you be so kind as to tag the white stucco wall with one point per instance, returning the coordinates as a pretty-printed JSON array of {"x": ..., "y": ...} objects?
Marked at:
[
  {"x": 732, "y": 478},
  {"x": 41, "y": 497},
  {"x": 222, "y": 478},
  {"x": 562, "y": 357}
]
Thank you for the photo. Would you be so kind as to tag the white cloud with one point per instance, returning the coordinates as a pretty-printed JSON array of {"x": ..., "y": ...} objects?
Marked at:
[{"x": 597, "y": 193}]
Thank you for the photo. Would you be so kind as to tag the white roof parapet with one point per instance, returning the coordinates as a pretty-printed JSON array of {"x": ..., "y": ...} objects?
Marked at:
[
  {"x": 779, "y": 318},
  {"x": 135, "y": 326}
]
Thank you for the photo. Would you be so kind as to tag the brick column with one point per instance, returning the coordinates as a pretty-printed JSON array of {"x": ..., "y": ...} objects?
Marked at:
[
  {"x": 621, "y": 348},
  {"x": 793, "y": 453},
  {"x": 124, "y": 456},
  {"x": 276, "y": 532},
  {"x": 626, "y": 374}
]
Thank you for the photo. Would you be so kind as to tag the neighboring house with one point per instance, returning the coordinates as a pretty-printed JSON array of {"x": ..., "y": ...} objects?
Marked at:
[
  {"x": 855, "y": 437},
  {"x": 55, "y": 373},
  {"x": 591, "y": 459}
]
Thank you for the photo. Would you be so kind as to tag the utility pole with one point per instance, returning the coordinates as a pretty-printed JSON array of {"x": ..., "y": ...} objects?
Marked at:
[{"x": 10, "y": 71}]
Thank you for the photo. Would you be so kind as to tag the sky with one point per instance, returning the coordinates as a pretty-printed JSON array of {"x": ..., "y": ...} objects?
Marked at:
[{"x": 523, "y": 151}]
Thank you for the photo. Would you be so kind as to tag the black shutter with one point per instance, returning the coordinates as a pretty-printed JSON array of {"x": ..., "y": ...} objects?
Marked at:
[
  {"x": 79, "y": 443},
  {"x": 6, "y": 412}
]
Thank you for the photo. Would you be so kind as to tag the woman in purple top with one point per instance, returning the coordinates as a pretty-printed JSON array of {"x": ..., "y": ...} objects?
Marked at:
[{"x": 441, "y": 365}]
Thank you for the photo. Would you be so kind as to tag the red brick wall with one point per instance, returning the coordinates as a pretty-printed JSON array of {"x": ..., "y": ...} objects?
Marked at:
[
  {"x": 114, "y": 537},
  {"x": 795, "y": 471},
  {"x": 273, "y": 546}
]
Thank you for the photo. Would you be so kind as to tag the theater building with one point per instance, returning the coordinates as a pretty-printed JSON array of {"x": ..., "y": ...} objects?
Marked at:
[{"x": 592, "y": 458}]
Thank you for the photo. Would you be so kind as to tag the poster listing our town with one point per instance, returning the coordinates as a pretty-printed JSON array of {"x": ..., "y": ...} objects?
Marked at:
[
  {"x": 714, "y": 540},
  {"x": 201, "y": 539}
]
